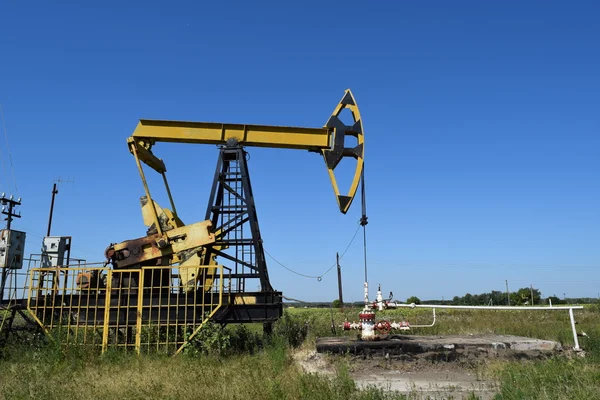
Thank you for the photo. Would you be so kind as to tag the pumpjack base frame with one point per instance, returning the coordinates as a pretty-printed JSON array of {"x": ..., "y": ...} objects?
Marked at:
[
  {"x": 248, "y": 307},
  {"x": 9, "y": 313}
]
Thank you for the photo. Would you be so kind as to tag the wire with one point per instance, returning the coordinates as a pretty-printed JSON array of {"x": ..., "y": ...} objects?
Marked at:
[
  {"x": 544, "y": 281},
  {"x": 4, "y": 174},
  {"x": 317, "y": 277},
  {"x": 8, "y": 149},
  {"x": 296, "y": 300},
  {"x": 289, "y": 269},
  {"x": 487, "y": 267},
  {"x": 364, "y": 220}
]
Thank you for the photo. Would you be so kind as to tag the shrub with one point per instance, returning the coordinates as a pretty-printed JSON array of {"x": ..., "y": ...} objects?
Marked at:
[
  {"x": 212, "y": 339},
  {"x": 242, "y": 340},
  {"x": 292, "y": 330}
]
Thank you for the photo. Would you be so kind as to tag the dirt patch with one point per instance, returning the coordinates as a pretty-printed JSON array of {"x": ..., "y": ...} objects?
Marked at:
[
  {"x": 313, "y": 362},
  {"x": 436, "y": 367}
]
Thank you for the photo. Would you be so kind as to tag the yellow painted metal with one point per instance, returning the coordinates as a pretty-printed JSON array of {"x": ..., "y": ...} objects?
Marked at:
[
  {"x": 190, "y": 236},
  {"x": 353, "y": 106},
  {"x": 57, "y": 320},
  {"x": 169, "y": 193},
  {"x": 138, "y": 325},
  {"x": 245, "y": 300},
  {"x": 323, "y": 140},
  {"x": 179, "y": 245},
  {"x": 180, "y": 237},
  {"x": 131, "y": 315},
  {"x": 183, "y": 243},
  {"x": 168, "y": 219},
  {"x": 106, "y": 311},
  {"x": 282, "y": 137},
  {"x": 207, "y": 317},
  {"x": 146, "y": 189},
  {"x": 119, "y": 330},
  {"x": 140, "y": 149},
  {"x": 30, "y": 290}
]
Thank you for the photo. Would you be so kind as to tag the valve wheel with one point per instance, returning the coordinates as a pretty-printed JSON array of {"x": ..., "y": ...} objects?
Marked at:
[{"x": 384, "y": 327}]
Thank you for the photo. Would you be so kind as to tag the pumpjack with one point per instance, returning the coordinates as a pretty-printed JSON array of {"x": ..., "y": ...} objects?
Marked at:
[{"x": 230, "y": 230}]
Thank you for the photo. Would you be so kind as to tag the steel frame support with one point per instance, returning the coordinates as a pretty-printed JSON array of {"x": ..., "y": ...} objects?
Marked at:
[{"x": 232, "y": 211}]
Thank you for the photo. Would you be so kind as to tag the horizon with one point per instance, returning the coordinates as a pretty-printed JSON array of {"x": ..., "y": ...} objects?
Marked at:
[{"x": 481, "y": 133}]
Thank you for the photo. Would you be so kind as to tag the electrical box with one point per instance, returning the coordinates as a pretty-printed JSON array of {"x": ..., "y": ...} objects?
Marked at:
[
  {"x": 12, "y": 249},
  {"x": 54, "y": 249}
]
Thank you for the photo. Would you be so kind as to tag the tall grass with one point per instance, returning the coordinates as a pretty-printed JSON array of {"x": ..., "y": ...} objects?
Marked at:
[
  {"x": 572, "y": 377},
  {"x": 556, "y": 378},
  {"x": 239, "y": 363},
  {"x": 53, "y": 372}
]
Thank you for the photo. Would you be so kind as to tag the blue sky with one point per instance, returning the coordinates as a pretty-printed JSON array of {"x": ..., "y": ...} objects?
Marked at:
[{"x": 481, "y": 125}]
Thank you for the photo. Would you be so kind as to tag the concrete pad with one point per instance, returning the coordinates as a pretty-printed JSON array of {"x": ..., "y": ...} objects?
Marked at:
[
  {"x": 429, "y": 384},
  {"x": 412, "y": 344}
]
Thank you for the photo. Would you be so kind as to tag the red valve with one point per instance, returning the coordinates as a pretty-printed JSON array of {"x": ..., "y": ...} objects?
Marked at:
[{"x": 383, "y": 326}]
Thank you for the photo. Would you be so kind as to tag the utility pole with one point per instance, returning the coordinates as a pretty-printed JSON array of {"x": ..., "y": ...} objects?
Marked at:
[
  {"x": 54, "y": 193},
  {"x": 531, "y": 287},
  {"x": 339, "y": 273},
  {"x": 507, "y": 292},
  {"x": 11, "y": 205},
  {"x": 10, "y": 214}
]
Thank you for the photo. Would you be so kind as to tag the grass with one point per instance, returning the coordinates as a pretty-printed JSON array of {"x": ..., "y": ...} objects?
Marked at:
[
  {"x": 52, "y": 373},
  {"x": 557, "y": 378},
  {"x": 245, "y": 365},
  {"x": 550, "y": 325},
  {"x": 560, "y": 377}
]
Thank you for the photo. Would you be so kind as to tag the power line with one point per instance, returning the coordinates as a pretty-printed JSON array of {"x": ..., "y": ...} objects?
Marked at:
[
  {"x": 8, "y": 149},
  {"x": 296, "y": 300},
  {"x": 318, "y": 277},
  {"x": 487, "y": 268},
  {"x": 5, "y": 175},
  {"x": 561, "y": 281}
]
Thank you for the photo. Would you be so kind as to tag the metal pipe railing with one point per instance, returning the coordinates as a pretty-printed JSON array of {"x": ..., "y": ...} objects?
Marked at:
[{"x": 511, "y": 308}]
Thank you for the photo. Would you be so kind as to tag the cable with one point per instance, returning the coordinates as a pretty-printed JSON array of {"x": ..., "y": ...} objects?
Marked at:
[
  {"x": 296, "y": 300},
  {"x": 317, "y": 277},
  {"x": 4, "y": 173},
  {"x": 344, "y": 252},
  {"x": 8, "y": 149},
  {"x": 364, "y": 219},
  {"x": 487, "y": 267},
  {"x": 289, "y": 269}
]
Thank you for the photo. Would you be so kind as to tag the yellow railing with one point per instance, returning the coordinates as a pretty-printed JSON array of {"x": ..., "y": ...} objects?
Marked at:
[{"x": 142, "y": 310}]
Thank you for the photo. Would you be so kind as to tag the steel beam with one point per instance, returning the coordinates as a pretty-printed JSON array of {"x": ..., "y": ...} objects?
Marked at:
[{"x": 281, "y": 137}]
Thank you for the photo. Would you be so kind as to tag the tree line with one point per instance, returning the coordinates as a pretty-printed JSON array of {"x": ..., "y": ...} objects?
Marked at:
[{"x": 521, "y": 297}]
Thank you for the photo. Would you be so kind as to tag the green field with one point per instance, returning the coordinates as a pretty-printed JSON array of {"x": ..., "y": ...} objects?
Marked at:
[{"x": 239, "y": 363}]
